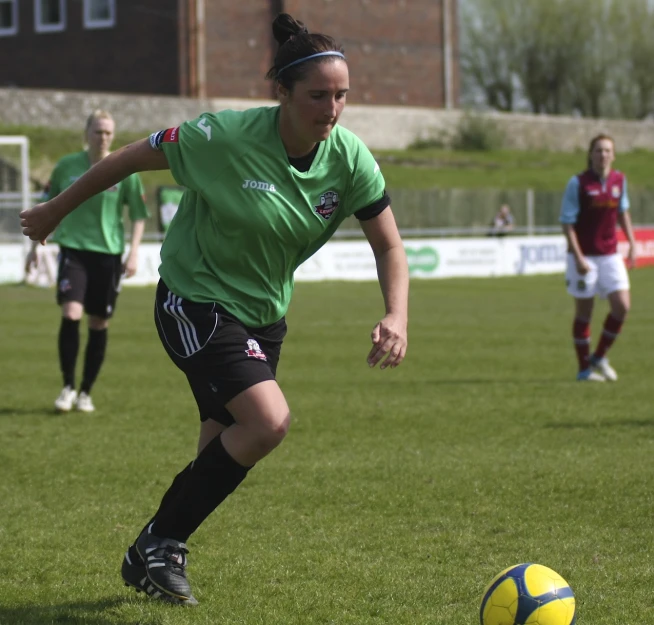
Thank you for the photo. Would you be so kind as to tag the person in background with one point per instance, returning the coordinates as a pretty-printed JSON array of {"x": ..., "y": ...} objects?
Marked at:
[
  {"x": 265, "y": 189},
  {"x": 502, "y": 223},
  {"x": 594, "y": 202},
  {"x": 91, "y": 242}
]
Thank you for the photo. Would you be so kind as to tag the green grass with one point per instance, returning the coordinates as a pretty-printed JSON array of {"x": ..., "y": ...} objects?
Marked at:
[
  {"x": 395, "y": 498},
  {"x": 418, "y": 169},
  {"x": 501, "y": 169}
]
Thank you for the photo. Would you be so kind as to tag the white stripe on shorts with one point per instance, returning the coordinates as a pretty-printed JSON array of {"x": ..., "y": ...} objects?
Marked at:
[
  {"x": 173, "y": 307},
  {"x": 189, "y": 326}
]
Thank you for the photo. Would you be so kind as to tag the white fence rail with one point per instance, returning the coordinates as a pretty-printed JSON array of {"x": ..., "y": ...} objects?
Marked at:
[{"x": 350, "y": 260}]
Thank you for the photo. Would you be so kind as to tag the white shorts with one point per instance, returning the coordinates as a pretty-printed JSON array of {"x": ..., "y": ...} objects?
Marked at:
[{"x": 607, "y": 274}]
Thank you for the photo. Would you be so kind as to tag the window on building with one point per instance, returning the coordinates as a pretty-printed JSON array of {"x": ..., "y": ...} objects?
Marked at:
[
  {"x": 99, "y": 13},
  {"x": 8, "y": 17},
  {"x": 49, "y": 15}
]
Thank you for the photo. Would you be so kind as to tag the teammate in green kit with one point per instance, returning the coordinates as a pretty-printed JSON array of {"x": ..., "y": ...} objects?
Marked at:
[
  {"x": 266, "y": 188},
  {"x": 91, "y": 241}
]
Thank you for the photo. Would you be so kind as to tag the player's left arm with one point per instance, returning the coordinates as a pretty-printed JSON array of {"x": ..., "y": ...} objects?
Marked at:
[
  {"x": 624, "y": 219},
  {"x": 625, "y": 223},
  {"x": 389, "y": 336},
  {"x": 371, "y": 205}
]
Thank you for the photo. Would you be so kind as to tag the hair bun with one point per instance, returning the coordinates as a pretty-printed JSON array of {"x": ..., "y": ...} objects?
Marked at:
[{"x": 284, "y": 27}]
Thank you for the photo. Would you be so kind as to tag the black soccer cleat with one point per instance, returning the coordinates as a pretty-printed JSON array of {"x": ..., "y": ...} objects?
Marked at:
[
  {"x": 165, "y": 564},
  {"x": 135, "y": 575}
]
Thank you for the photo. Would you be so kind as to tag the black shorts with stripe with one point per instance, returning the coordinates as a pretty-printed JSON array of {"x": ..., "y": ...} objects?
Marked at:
[
  {"x": 220, "y": 356},
  {"x": 91, "y": 278}
]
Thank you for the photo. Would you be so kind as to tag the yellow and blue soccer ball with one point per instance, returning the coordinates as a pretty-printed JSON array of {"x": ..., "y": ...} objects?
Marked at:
[{"x": 528, "y": 594}]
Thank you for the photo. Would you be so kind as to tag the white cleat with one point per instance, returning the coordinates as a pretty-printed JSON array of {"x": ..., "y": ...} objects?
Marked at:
[
  {"x": 66, "y": 399},
  {"x": 588, "y": 375},
  {"x": 603, "y": 367},
  {"x": 84, "y": 403}
]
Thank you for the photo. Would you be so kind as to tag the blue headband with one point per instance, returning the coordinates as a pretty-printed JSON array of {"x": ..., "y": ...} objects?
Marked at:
[{"x": 312, "y": 56}]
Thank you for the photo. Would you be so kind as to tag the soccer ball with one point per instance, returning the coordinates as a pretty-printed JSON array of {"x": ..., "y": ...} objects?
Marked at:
[{"x": 528, "y": 594}]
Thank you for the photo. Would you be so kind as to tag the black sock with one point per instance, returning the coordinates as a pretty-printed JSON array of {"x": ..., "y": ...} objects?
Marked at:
[
  {"x": 95, "y": 350},
  {"x": 168, "y": 497},
  {"x": 68, "y": 349},
  {"x": 213, "y": 476}
]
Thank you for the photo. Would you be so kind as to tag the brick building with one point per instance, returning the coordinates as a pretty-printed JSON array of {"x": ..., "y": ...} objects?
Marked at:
[{"x": 399, "y": 51}]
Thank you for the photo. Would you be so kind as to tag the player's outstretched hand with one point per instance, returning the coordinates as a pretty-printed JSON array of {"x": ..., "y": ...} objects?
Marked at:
[
  {"x": 389, "y": 336},
  {"x": 39, "y": 221}
]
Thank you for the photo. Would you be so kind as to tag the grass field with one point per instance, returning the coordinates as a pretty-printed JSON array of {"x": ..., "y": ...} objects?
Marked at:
[{"x": 395, "y": 498}]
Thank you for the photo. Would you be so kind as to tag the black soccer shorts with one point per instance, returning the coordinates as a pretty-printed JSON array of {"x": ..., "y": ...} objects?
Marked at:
[
  {"x": 91, "y": 278},
  {"x": 220, "y": 356}
]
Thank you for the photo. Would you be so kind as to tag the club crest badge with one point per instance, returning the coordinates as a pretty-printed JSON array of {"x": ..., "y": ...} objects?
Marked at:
[
  {"x": 615, "y": 191},
  {"x": 254, "y": 351},
  {"x": 328, "y": 204}
]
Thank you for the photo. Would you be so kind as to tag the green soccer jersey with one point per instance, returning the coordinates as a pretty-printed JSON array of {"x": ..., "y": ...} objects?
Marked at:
[
  {"x": 97, "y": 224},
  {"x": 248, "y": 218}
]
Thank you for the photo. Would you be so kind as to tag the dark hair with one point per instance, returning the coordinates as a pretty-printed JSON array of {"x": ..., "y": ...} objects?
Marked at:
[
  {"x": 593, "y": 141},
  {"x": 296, "y": 42}
]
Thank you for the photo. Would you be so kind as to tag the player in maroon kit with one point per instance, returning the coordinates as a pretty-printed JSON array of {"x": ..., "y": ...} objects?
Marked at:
[{"x": 593, "y": 203}]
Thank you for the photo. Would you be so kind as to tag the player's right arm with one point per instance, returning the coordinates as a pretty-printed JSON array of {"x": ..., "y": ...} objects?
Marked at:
[
  {"x": 568, "y": 219},
  {"x": 40, "y": 221},
  {"x": 573, "y": 245}
]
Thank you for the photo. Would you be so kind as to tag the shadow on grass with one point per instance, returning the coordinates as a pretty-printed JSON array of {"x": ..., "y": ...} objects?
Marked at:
[
  {"x": 627, "y": 423},
  {"x": 77, "y": 613},
  {"x": 8, "y": 411},
  {"x": 470, "y": 381}
]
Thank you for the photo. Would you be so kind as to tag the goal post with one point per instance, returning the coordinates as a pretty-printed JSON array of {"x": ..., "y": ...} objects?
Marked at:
[
  {"x": 24, "y": 184},
  {"x": 15, "y": 196}
]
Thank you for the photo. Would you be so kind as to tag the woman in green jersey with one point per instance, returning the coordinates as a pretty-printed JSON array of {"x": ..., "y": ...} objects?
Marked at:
[
  {"x": 266, "y": 188},
  {"x": 91, "y": 243}
]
